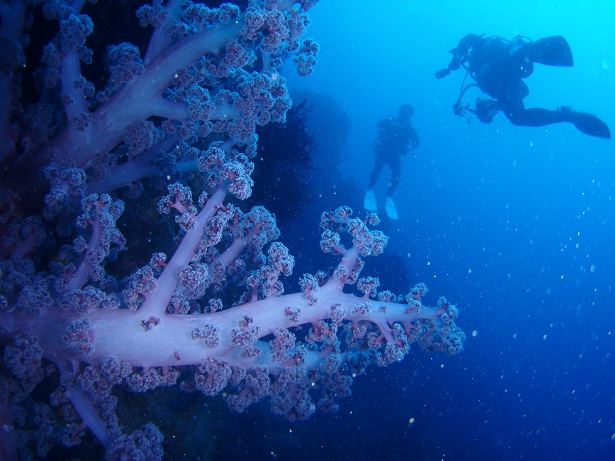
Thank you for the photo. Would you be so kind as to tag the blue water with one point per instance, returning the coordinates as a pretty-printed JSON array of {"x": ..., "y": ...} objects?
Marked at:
[{"x": 515, "y": 225}]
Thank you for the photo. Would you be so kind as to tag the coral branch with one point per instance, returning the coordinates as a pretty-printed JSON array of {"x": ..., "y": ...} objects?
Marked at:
[{"x": 89, "y": 300}]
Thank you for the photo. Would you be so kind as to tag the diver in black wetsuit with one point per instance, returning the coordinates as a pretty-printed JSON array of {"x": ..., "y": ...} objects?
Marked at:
[
  {"x": 396, "y": 137},
  {"x": 498, "y": 66}
]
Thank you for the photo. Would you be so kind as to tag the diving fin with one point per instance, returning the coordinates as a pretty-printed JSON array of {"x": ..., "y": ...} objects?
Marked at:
[
  {"x": 369, "y": 202},
  {"x": 589, "y": 124},
  {"x": 391, "y": 210},
  {"x": 550, "y": 51}
]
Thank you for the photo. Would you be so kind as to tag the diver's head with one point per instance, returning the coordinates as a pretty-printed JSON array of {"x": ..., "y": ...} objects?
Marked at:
[{"x": 405, "y": 112}]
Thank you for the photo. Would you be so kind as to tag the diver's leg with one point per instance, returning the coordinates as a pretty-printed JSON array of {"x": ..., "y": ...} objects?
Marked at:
[
  {"x": 511, "y": 104},
  {"x": 369, "y": 202},
  {"x": 394, "y": 162},
  {"x": 585, "y": 123},
  {"x": 373, "y": 176},
  {"x": 536, "y": 117}
]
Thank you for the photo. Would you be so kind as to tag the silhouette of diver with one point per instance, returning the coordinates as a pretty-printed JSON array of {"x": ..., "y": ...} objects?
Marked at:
[
  {"x": 396, "y": 137},
  {"x": 498, "y": 66}
]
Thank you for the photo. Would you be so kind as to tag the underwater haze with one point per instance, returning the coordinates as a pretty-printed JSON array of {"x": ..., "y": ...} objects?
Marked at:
[{"x": 513, "y": 224}]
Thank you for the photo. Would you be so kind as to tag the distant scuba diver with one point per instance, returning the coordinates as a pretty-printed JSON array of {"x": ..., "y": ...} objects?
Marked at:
[
  {"x": 498, "y": 66},
  {"x": 396, "y": 137}
]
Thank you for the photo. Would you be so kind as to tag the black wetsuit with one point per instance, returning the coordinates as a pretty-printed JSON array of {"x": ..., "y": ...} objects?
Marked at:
[
  {"x": 499, "y": 66},
  {"x": 395, "y": 138},
  {"x": 498, "y": 71}
]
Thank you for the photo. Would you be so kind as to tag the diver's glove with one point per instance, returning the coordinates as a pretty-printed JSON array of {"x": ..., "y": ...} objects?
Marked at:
[
  {"x": 442, "y": 73},
  {"x": 453, "y": 65}
]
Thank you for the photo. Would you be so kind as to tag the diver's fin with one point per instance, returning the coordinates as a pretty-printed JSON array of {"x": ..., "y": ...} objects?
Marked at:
[
  {"x": 590, "y": 124},
  {"x": 551, "y": 51},
  {"x": 369, "y": 202},
  {"x": 391, "y": 210}
]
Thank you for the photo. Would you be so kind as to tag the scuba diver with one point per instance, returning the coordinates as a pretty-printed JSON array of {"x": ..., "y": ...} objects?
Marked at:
[
  {"x": 498, "y": 66},
  {"x": 396, "y": 136}
]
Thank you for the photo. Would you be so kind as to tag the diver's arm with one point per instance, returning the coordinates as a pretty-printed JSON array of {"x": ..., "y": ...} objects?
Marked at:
[
  {"x": 460, "y": 54},
  {"x": 414, "y": 138},
  {"x": 382, "y": 124}
]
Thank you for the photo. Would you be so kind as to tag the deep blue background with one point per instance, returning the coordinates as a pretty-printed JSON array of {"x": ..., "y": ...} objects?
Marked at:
[{"x": 514, "y": 225}]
